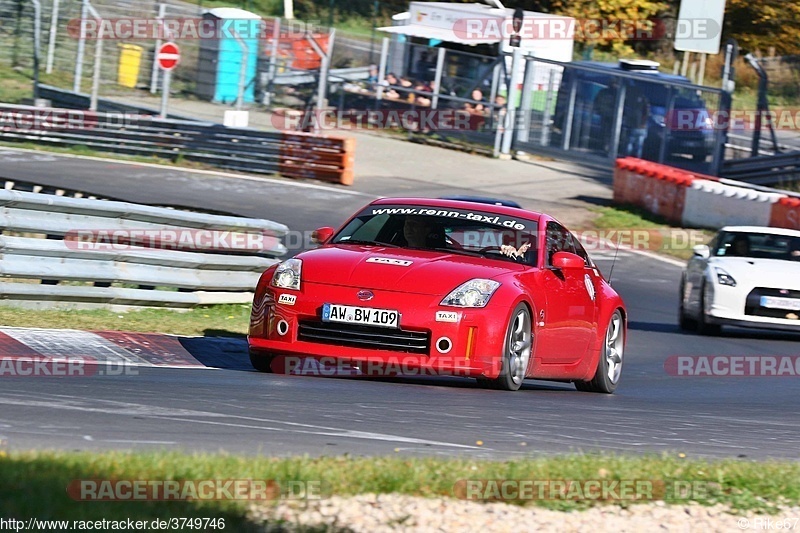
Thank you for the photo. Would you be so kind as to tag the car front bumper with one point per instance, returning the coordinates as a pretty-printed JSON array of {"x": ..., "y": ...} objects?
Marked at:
[{"x": 469, "y": 345}]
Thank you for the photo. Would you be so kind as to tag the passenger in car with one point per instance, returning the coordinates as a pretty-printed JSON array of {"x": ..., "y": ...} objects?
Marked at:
[
  {"x": 740, "y": 246},
  {"x": 794, "y": 249}
]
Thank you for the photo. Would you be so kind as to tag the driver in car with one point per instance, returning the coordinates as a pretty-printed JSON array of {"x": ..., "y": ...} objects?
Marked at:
[{"x": 420, "y": 232}]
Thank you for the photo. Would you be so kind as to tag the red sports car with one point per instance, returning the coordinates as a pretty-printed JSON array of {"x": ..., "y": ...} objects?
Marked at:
[{"x": 446, "y": 287}]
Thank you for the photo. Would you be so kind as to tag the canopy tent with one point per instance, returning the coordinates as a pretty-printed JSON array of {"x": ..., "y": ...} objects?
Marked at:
[{"x": 440, "y": 34}]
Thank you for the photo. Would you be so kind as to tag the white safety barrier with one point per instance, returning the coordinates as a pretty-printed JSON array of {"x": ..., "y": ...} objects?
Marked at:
[
  {"x": 100, "y": 253},
  {"x": 710, "y": 204},
  {"x": 691, "y": 199}
]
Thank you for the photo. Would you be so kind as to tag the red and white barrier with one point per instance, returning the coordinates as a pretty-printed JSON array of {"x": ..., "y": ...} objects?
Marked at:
[
  {"x": 658, "y": 188},
  {"x": 691, "y": 199},
  {"x": 710, "y": 204},
  {"x": 786, "y": 213}
]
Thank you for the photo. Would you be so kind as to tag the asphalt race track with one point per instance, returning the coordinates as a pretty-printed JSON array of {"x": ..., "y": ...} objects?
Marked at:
[{"x": 226, "y": 406}]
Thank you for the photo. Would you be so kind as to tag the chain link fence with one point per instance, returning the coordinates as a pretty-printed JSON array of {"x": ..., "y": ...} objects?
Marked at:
[
  {"x": 127, "y": 66},
  {"x": 601, "y": 111},
  {"x": 577, "y": 109},
  {"x": 581, "y": 110}
]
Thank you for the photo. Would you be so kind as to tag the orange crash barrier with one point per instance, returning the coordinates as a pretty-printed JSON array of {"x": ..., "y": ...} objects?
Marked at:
[{"x": 304, "y": 155}]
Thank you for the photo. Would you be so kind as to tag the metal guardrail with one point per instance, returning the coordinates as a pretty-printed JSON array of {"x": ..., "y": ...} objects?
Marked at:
[
  {"x": 740, "y": 146},
  {"x": 290, "y": 154},
  {"x": 63, "y": 98},
  {"x": 764, "y": 170},
  {"x": 100, "y": 253}
]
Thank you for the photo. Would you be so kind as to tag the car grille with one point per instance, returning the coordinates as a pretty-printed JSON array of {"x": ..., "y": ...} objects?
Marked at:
[
  {"x": 399, "y": 340},
  {"x": 753, "y": 303}
]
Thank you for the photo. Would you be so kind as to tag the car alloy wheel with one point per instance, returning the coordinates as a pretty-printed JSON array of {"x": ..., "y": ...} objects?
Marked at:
[
  {"x": 609, "y": 365},
  {"x": 516, "y": 352}
]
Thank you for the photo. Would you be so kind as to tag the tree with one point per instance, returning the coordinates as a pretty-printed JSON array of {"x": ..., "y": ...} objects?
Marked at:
[
  {"x": 612, "y": 24},
  {"x": 764, "y": 24}
]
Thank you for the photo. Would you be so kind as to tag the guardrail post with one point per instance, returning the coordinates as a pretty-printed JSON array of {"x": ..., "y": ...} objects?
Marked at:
[
  {"x": 437, "y": 80},
  {"x": 668, "y": 121},
  {"x": 545, "y": 139},
  {"x": 273, "y": 60},
  {"x": 382, "y": 68},
  {"x": 523, "y": 134},
  {"x": 620, "y": 110},
  {"x": 162, "y": 11},
  {"x": 511, "y": 104},
  {"x": 37, "y": 23},
  {"x": 76, "y": 82},
  {"x": 51, "y": 44},
  {"x": 98, "y": 61},
  {"x": 322, "y": 88},
  {"x": 242, "y": 70}
]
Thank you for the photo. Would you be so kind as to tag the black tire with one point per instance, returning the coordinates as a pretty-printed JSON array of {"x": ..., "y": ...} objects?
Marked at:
[
  {"x": 685, "y": 322},
  {"x": 261, "y": 361},
  {"x": 613, "y": 349},
  {"x": 704, "y": 327},
  {"x": 517, "y": 351}
]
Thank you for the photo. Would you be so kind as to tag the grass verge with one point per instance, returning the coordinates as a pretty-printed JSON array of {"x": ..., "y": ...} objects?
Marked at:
[
  {"x": 35, "y": 483},
  {"x": 641, "y": 229},
  {"x": 211, "y": 320}
]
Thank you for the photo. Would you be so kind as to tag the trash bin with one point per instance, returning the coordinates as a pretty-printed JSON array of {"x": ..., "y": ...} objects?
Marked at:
[{"x": 130, "y": 59}]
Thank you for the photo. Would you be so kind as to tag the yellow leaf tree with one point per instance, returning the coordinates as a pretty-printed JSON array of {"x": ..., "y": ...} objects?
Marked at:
[
  {"x": 612, "y": 24},
  {"x": 764, "y": 24}
]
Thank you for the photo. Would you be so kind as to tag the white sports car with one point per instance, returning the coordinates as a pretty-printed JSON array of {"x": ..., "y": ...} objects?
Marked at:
[{"x": 746, "y": 276}]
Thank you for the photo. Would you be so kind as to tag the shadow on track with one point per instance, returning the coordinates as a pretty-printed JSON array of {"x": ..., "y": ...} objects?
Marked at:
[
  {"x": 656, "y": 327},
  {"x": 229, "y": 353}
]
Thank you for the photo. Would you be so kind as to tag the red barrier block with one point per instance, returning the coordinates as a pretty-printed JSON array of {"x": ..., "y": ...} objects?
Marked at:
[
  {"x": 785, "y": 213},
  {"x": 308, "y": 156},
  {"x": 660, "y": 189}
]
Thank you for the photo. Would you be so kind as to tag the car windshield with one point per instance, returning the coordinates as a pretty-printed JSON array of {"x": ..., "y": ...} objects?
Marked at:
[
  {"x": 459, "y": 231},
  {"x": 758, "y": 246}
]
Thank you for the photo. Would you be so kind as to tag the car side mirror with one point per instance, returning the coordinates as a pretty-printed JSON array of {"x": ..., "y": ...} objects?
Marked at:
[
  {"x": 702, "y": 251},
  {"x": 321, "y": 235},
  {"x": 567, "y": 261}
]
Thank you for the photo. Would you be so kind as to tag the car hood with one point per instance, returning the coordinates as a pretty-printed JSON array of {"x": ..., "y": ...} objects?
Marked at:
[
  {"x": 754, "y": 272},
  {"x": 397, "y": 269}
]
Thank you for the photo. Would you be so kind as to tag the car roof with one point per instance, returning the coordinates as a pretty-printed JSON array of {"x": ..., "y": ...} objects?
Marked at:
[
  {"x": 462, "y": 204},
  {"x": 655, "y": 74},
  {"x": 482, "y": 200},
  {"x": 762, "y": 229}
]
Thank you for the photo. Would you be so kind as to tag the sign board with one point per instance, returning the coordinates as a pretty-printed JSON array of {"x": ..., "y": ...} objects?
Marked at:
[
  {"x": 168, "y": 56},
  {"x": 699, "y": 26}
]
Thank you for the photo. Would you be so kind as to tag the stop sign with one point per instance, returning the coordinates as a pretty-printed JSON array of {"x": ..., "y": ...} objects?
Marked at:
[{"x": 168, "y": 56}]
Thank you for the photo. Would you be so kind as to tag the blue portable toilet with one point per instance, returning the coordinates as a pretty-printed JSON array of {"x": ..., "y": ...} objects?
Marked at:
[{"x": 220, "y": 59}]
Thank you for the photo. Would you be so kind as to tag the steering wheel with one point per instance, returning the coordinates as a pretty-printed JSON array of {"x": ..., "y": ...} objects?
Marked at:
[{"x": 490, "y": 250}]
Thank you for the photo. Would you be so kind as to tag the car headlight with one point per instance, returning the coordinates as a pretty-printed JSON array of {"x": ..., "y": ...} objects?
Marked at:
[
  {"x": 723, "y": 278},
  {"x": 474, "y": 293},
  {"x": 287, "y": 275}
]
